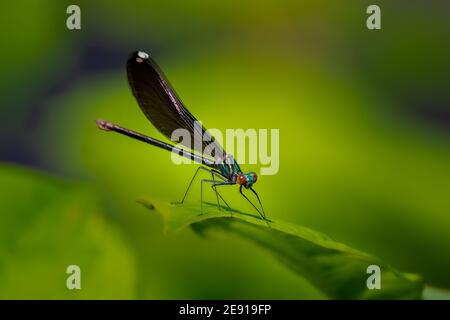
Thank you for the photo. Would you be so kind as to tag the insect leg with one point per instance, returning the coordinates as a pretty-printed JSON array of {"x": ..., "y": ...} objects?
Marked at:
[
  {"x": 259, "y": 200},
  {"x": 214, "y": 174},
  {"x": 215, "y": 184},
  {"x": 192, "y": 180},
  {"x": 189, "y": 186},
  {"x": 224, "y": 183},
  {"x": 262, "y": 216},
  {"x": 215, "y": 191}
]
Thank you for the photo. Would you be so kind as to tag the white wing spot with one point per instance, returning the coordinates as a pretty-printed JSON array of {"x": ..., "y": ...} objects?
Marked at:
[{"x": 143, "y": 55}]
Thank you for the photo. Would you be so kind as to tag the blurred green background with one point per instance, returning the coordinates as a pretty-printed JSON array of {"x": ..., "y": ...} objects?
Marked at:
[{"x": 364, "y": 119}]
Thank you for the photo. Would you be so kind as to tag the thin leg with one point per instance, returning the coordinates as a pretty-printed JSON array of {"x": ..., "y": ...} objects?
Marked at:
[
  {"x": 224, "y": 183},
  {"x": 259, "y": 200},
  {"x": 189, "y": 186},
  {"x": 217, "y": 193},
  {"x": 215, "y": 184},
  {"x": 260, "y": 213},
  {"x": 201, "y": 193},
  {"x": 192, "y": 180},
  {"x": 213, "y": 173}
]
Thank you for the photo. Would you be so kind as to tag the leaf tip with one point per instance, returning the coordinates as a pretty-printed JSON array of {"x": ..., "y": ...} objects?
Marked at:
[{"x": 146, "y": 203}]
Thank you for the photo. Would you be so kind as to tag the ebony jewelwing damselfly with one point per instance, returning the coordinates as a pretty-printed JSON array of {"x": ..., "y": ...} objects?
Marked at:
[{"x": 162, "y": 106}]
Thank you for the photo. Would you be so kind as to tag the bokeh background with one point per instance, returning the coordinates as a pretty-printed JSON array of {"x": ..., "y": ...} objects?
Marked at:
[{"x": 364, "y": 119}]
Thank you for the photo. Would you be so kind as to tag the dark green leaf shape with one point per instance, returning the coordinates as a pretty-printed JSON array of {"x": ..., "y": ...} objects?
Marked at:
[
  {"x": 339, "y": 271},
  {"x": 47, "y": 224},
  {"x": 432, "y": 293}
]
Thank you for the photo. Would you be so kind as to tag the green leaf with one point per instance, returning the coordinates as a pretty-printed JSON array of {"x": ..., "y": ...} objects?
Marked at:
[
  {"x": 47, "y": 224},
  {"x": 432, "y": 293},
  {"x": 339, "y": 271}
]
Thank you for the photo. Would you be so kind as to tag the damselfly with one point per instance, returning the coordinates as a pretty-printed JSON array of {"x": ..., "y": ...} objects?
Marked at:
[{"x": 162, "y": 106}]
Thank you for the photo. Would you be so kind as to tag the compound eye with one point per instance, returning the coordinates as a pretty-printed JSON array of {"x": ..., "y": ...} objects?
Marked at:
[{"x": 241, "y": 179}]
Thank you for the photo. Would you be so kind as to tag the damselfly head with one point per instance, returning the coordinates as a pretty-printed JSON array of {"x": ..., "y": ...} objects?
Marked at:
[{"x": 253, "y": 176}]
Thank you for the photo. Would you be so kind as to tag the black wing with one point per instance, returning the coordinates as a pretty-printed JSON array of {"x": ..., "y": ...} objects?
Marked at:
[{"x": 161, "y": 105}]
